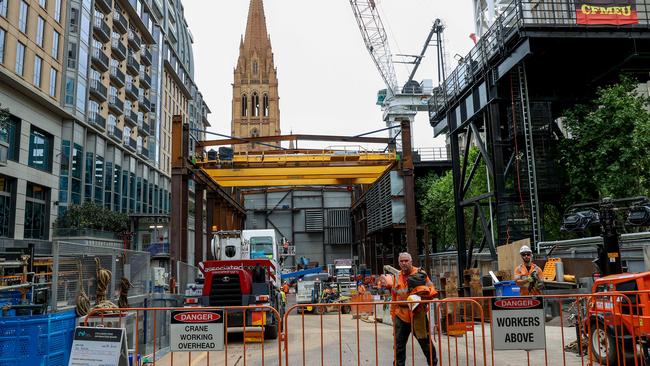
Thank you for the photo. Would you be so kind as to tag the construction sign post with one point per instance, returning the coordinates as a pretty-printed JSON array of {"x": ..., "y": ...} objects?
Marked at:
[
  {"x": 518, "y": 323},
  {"x": 196, "y": 330}
]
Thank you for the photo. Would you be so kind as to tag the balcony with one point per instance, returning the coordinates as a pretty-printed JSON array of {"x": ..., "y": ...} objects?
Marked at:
[
  {"x": 119, "y": 22},
  {"x": 143, "y": 152},
  {"x": 117, "y": 76},
  {"x": 145, "y": 80},
  {"x": 132, "y": 65},
  {"x": 115, "y": 104},
  {"x": 99, "y": 59},
  {"x": 98, "y": 90},
  {"x": 119, "y": 49},
  {"x": 131, "y": 118},
  {"x": 104, "y": 5},
  {"x": 143, "y": 129},
  {"x": 115, "y": 133},
  {"x": 132, "y": 91},
  {"x": 134, "y": 40},
  {"x": 145, "y": 56},
  {"x": 101, "y": 30},
  {"x": 144, "y": 104},
  {"x": 96, "y": 119},
  {"x": 130, "y": 144}
]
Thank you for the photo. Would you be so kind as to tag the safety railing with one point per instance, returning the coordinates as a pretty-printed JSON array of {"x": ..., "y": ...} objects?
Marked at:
[
  {"x": 609, "y": 328},
  {"x": 145, "y": 341},
  {"x": 556, "y": 15}
]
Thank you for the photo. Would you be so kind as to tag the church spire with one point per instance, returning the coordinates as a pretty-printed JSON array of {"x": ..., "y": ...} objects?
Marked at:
[{"x": 256, "y": 34}]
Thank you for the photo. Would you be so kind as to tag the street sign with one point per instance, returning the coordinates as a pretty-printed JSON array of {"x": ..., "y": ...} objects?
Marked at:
[
  {"x": 195, "y": 330},
  {"x": 99, "y": 347},
  {"x": 518, "y": 323}
]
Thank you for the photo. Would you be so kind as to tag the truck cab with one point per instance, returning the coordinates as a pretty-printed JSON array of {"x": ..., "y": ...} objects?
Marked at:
[{"x": 261, "y": 243}]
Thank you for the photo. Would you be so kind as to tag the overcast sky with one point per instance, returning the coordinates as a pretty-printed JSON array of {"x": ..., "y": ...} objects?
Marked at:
[{"x": 327, "y": 81}]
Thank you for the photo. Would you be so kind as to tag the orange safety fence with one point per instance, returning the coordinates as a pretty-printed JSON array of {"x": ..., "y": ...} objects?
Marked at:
[
  {"x": 249, "y": 343},
  {"x": 609, "y": 328},
  {"x": 605, "y": 328}
]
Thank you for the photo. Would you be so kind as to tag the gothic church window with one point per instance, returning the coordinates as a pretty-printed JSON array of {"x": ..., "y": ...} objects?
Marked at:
[
  {"x": 244, "y": 105},
  {"x": 255, "y": 104},
  {"x": 266, "y": 105},
  {"x": 255, "y": 68}
]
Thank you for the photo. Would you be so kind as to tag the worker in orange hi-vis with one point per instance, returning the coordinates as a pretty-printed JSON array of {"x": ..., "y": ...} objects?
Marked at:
[
  {"x": 412, "y": 284},
  {"x": 528, "y": 275}
]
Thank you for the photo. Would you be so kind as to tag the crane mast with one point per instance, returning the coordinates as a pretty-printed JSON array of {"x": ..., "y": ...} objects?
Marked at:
[{"x": 376, "y": 40}]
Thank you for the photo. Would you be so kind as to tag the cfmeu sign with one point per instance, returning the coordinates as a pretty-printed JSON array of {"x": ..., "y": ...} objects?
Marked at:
[
  {"x": 518, "y": 323},
  {"x": 196, "y": 330}
]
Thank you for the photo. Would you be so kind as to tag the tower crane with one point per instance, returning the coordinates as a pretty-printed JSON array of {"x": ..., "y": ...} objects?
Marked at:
[{"x": 397, "y": 104}]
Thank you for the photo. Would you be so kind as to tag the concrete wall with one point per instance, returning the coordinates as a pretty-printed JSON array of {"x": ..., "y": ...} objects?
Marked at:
[{"x": 294, "y": 215}]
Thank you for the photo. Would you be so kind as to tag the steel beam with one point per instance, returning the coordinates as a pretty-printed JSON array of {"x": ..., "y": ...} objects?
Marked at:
[
  {"x": 248, "y": 140},
  {"x": 409, "y": 192}
]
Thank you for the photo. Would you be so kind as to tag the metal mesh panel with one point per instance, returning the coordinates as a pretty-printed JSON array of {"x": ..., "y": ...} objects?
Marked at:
[
  {"x": 186, "y": 273},
  {"x": 75, "y": 267}
]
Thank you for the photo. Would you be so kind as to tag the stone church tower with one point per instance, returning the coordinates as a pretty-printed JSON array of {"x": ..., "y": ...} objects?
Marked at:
[{"x": 255, "y": 100}]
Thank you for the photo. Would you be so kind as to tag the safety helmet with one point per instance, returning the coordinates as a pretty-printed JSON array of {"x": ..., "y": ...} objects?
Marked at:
[{"x": 525, "y": 249}]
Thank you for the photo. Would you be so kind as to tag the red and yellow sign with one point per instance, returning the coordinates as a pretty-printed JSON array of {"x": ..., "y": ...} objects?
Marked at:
[{"x": 614, "y": 12}]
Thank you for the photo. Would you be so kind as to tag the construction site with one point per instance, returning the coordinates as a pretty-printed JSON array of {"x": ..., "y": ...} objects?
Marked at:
[{"x": 297, "y": 251}]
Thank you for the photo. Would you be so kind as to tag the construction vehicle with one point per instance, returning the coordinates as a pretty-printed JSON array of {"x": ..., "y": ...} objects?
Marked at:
[
  {"x": 309, "y": 289},
  {"x": 343, "y": 275},
  {"x": 615, "y": 325},
  {"x": 245, "y": 272}
]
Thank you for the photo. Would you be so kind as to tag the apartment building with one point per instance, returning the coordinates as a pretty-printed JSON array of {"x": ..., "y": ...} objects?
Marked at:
[
  {"x": 31, "y": 64},
  {"x": 91, "y": 87}
]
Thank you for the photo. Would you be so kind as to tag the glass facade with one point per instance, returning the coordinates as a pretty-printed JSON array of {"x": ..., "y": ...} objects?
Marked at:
[
  {"x": 37, "y": 212},
  {"x": 7, "y": 206},
  {"x": 40, "y": 150}
]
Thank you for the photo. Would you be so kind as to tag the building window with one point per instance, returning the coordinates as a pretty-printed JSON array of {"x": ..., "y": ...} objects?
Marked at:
[
  {"x": 57, "y": 10},
  {"x": 53, "y": 82},
  {"x": 20, "y": 58},
  {"x": 3, "y": 7},
  {"x": 55, "y": 45},
  {"x": 36, "y": 212},
  {"x": 40, "y": 31},
  {"x": 77, "y": 167},
  {"x": 117, "y": 176},
  {"x": 11, "y": 135},
  {"x": 64, "y": 173},
  {"x": 244, "y": 105},
  {"x": 7, "y": 204},
  {"x": 22, "y": 16},
  {"x": 266, "y": 105},
  {"x": 255, "y": 68},
  {"x": 88, "y": 188},
  {"x": 255, "y": 100},
  {"x": 38, "y": 62},
  {"x": 42, "y": 3},
  {"x": 108, "y": 184},
  {"x": 40, "y": 150},
  {"x": 3, "y": 37}
]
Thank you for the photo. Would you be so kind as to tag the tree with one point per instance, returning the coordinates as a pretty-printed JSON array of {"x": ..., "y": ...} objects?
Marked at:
[
  {"x": 606, "y": 154},
  {"x": 90, "y": 215}
]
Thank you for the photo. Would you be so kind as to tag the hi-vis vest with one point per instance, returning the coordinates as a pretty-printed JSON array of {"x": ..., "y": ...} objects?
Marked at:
[{"x": 401, "y": 293}]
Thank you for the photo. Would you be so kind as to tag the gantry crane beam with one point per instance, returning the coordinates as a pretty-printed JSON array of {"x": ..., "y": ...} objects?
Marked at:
[{"x": 249, "y": 140}]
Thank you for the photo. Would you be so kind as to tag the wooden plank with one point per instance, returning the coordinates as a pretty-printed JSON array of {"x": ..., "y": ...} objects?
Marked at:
[{"x": 508, "y": 255}]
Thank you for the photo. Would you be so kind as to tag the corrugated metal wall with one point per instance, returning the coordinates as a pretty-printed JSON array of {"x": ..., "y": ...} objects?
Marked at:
[{"x": 316, "y": 221}]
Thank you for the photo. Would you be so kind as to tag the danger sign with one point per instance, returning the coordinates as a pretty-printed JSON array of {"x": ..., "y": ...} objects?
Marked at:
[
  {"x": 196, "y": 330},
  {"x": 518, "y": 323}
]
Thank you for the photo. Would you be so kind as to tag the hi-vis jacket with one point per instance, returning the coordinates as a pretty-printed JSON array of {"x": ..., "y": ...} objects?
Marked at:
[
  {"x": 401, "y": 293},
  {"x": 521, "y": 271}
]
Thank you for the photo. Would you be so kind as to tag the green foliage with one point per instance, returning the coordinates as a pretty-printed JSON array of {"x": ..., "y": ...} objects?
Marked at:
[
  {"x": 436, "y": 198},
  {"x": 90, "y": 215},
  {"x": 607, "y": 152}
]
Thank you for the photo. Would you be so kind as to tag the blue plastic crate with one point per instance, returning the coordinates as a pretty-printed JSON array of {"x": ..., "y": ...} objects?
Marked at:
[
  {"x": 506, "y": 288},
  {"x": 12, "y": 297},
  {"x": 44, "y": 340}
]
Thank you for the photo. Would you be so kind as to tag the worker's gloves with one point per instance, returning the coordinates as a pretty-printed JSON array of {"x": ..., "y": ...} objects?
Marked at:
[{"x": 530, "y": 279}]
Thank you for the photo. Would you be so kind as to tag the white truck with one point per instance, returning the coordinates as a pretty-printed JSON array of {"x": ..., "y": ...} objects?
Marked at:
[{"x": 344, "y": 276}]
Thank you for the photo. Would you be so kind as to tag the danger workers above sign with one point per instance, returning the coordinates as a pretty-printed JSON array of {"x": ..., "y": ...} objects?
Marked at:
[
  {"x": 614, "y": 12},
  {"x": 517, "y": 303},
  {"x": 196, "y": 317}
]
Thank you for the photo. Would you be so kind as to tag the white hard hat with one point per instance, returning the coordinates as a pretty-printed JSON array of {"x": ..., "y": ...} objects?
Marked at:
[{"x": 525, "y": 249}]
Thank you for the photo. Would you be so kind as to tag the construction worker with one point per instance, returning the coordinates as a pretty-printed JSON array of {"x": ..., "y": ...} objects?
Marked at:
[
  {"x": 407, "y": 319},
  {"x": 528, "y": 275},
  {"x": 285, "y": 287}
]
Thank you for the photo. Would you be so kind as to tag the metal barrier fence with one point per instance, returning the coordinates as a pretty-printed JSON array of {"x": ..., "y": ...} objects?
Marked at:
[
  {"x": 240, "y": 348},
  {"x": 607, "y": 328}
]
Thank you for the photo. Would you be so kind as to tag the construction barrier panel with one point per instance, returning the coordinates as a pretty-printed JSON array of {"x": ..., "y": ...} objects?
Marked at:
[
  {"x": 607, "y": 328},
  {"x": 184, "y": 329}
]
